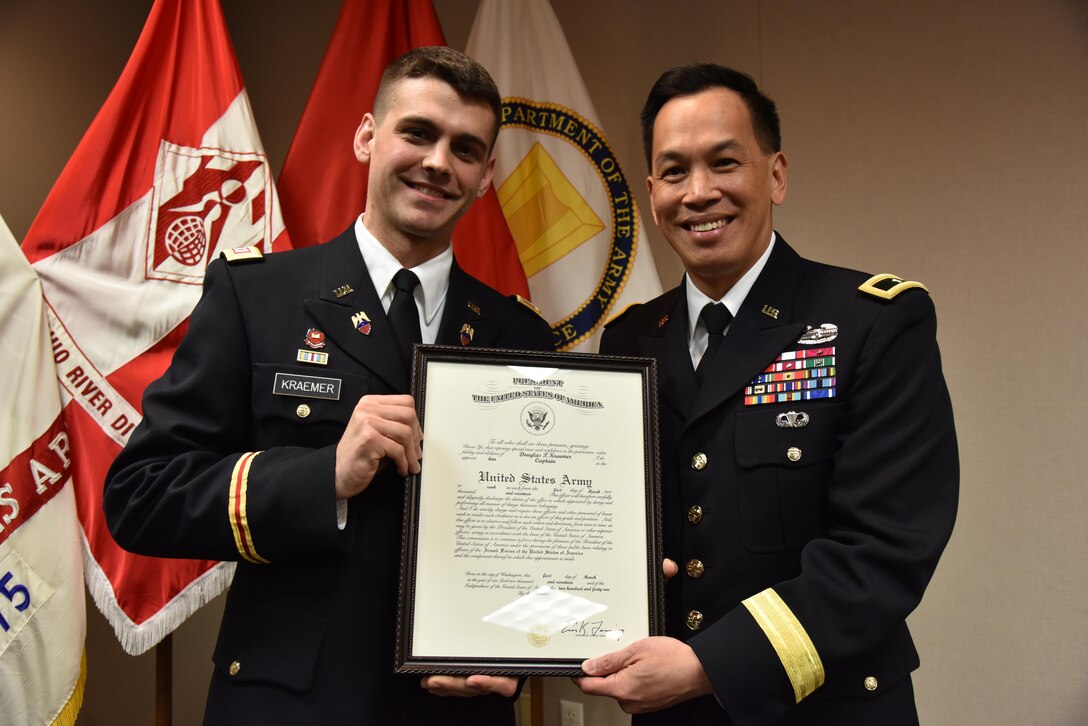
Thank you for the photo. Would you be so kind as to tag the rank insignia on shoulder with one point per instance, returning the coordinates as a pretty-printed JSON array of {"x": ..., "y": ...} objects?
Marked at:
[
  {"x": 528, "y": 304},
  {"x": 823, "y": 334},
  {"x": 887, "y": 286},
  {"x": 243, "y": 254},
  {"x": 466, "y": 334},
  {"x": 627, "y": 309}
]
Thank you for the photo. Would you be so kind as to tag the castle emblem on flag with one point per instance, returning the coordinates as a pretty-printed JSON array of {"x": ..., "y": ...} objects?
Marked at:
[{"x": 201, "y": 197}]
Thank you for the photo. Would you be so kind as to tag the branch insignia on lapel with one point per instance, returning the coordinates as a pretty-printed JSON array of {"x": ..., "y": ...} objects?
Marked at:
[{"x": 361, "y": 322}]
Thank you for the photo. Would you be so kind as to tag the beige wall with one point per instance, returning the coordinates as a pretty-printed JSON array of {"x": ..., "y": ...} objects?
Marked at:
[{"x": 943, "y": 141}]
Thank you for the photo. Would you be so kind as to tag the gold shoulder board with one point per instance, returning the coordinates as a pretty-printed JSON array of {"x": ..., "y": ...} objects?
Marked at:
[
  {"x": 621, "y": 313},
  {"x": 243, "y": 254},
  {"x": 887, "y": 286},
  {"x": 528, "y": 304}
]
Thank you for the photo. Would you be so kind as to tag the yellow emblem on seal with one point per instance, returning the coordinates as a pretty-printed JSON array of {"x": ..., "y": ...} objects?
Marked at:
[{"x": 539, "y": 637}]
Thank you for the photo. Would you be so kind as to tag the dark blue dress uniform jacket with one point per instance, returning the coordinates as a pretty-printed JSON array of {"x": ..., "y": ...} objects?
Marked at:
[
  {"x": 810, "y": 559},
  {"x": 307, "y": 635}
]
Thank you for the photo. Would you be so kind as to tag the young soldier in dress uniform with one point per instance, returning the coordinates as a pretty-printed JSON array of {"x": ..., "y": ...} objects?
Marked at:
[
  {"x": 281, "y": 433},
  {"x": 809, "y": 455}
]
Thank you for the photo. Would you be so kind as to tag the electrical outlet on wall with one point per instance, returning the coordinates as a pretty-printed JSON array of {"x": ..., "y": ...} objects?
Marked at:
[{"x": 570, "y": 713}]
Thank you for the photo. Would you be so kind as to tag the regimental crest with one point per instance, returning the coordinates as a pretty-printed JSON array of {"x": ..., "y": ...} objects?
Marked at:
[
  {"x": 315, "y": 338},
  {"x": 466, "y": 334},
  {"x": 203, "y": 201}
]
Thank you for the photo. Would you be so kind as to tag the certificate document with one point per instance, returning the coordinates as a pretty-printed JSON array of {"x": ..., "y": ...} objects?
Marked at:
[{"x": 532, "y": 532}]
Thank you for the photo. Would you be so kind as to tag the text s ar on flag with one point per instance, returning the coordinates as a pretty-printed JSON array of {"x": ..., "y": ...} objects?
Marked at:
[
  {"x": 42, "y": 616},
  {"x": 569, "y": 205},
  {"x": 170, "y": 173},
  {"x": 322, "y": 185}
]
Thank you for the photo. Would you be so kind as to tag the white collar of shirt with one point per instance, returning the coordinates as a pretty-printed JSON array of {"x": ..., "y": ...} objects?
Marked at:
[
  {"x": 434, "y": 278},
  {"x": 732, "y": 300}
]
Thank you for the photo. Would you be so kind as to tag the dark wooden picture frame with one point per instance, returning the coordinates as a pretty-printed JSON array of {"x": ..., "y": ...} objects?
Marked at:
[{"x": 578, "y": 637}]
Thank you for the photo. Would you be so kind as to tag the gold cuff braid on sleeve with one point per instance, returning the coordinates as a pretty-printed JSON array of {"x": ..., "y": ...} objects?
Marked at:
[
  {"x": 789, "y": 640},
  {"x": 236, "y": 506}
]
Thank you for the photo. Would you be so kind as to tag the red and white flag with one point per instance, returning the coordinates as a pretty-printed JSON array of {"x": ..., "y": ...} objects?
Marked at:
[
  {"x": 42, "y": 616},
  {"x": 322, "y": 185},
  {"x": 569, "y": 204},
  {"x": 170, "y": 172}
]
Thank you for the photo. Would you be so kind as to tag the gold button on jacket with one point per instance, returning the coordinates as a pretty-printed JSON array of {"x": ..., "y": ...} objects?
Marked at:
[
  {"x": 694, "y": 568},
  {"x": 694, "y": 620},
  {"x": 695, "y": 514},
  {"x": 698, "y": 462},
  {"x": 235, "y": 667}
]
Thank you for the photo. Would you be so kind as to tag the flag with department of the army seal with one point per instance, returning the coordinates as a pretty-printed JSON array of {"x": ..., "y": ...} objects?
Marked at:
[
  {"x": 170, "y": 173},
  {"x": 42, "y": 607},
  {"x": 569, "y": 205}
]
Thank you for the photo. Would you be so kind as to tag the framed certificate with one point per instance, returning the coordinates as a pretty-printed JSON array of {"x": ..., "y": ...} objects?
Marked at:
[{"x": 532, "y": 534}]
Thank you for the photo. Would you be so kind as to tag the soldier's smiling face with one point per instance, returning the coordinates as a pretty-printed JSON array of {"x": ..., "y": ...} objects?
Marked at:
[
  {"x": 712, "y": 186},
  {"x": 430, "y": 158}
]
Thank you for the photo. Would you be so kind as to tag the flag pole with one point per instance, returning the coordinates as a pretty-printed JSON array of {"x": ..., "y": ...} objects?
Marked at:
[
  {"x": 536, "y": 701},
  {"x": 164, "y": 678}
]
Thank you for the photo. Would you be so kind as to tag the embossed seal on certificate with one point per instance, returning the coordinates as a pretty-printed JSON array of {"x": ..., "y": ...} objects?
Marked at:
[
  {"x": 539, "y": 637},
  {"x": 537, "y": 418}
]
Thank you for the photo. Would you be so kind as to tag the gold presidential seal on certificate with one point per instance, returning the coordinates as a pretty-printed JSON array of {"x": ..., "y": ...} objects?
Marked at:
[
  {"x": 539, "y": 637},
  {"x": 532, "y": 533}
]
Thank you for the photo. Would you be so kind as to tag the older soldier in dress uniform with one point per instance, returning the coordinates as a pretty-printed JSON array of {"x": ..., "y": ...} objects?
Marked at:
[
  {"x": 281, "y": 433},
  {"x": 810, "y": 463}
]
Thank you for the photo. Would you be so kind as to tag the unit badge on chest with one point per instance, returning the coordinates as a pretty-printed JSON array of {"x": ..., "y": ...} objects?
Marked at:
[{"x": 826, "y": 333}]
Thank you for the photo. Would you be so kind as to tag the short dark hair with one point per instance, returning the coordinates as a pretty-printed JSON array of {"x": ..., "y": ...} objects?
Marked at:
[
  {"x": 464, "y": 75},
  {"x": 691, "y": 79}
]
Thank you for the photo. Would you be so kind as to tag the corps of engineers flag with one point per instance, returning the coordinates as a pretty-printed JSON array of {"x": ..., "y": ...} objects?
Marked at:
[
  {"x": 170, "y": 173},
  {"x": 569, "y": 206},
  {"x": 42, "y": 618}
]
